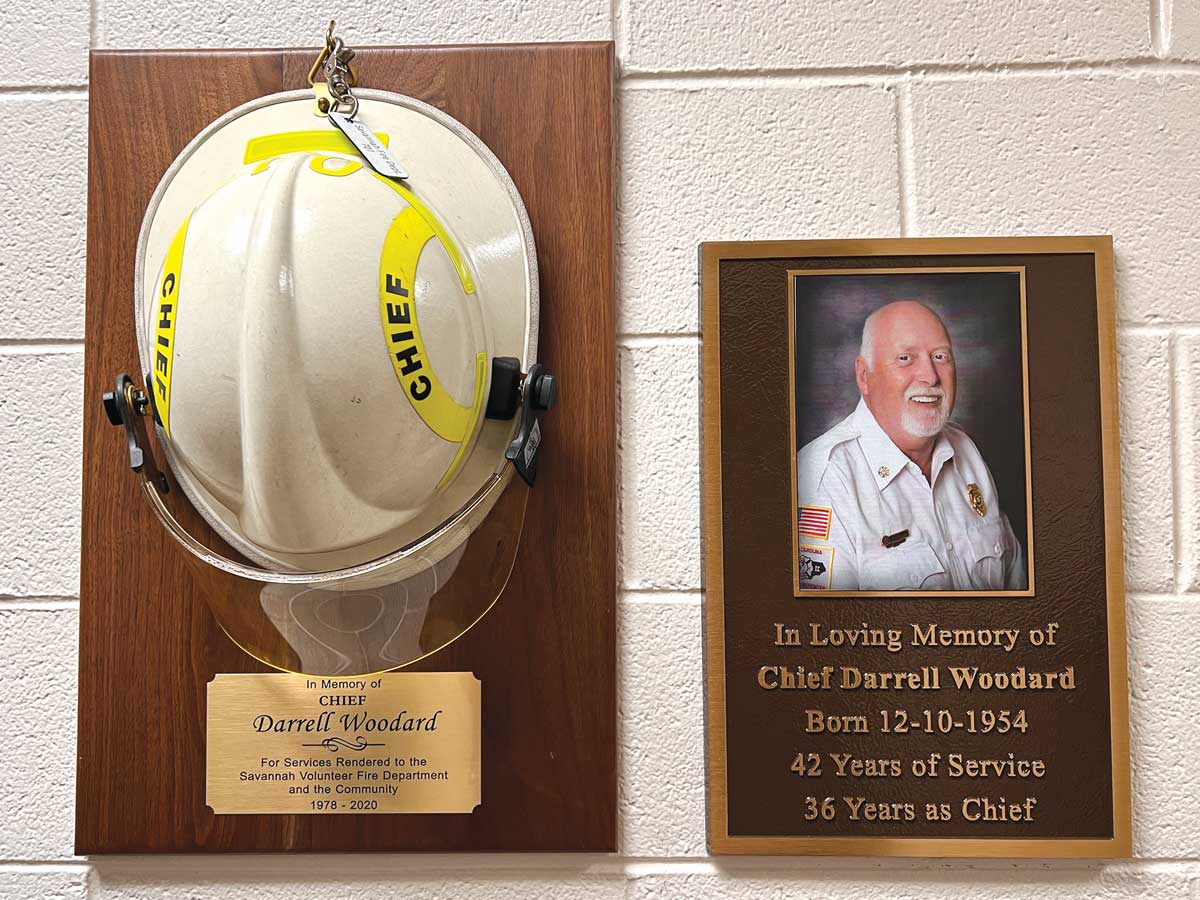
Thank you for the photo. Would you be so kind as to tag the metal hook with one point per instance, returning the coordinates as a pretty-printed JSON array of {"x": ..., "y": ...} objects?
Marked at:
[
  {"x": 334, "y": 62},
  {"x": 323, "y": 55}
]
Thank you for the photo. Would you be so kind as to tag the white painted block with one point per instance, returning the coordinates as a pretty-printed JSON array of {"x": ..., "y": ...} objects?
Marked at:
[
  {"x": 690, "y": 35},
  {"x": 658, "y": 538},
  {"x": 1164, "y": 643},
  {"x": 41, "y": 452},
  {"x": 43, "y": 215},
  {"x": 46, "y": 43},
  {"x": 63, "y": 882},
  {"x": 893, "y": 879},
  {"x": 1144, "y": 393},
  {"x": 1096, "y": 154},
  {"x": 38, "y": 665},
  {"x": 737, "y": 163},
  {"x": 660, "y": 712},
  {"x": 1184, "y": 39},
  {"x": 343, "y": 876},
  {"x": 257, "y": 23},
  {"x": 1187, "y": 419}
]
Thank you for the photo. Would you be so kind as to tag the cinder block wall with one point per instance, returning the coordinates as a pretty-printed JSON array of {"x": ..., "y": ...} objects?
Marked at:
[{"x": 742, "y": 119}]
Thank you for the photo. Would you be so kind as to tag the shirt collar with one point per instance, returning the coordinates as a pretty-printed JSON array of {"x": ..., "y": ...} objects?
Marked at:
[
  {"x": 943, "y": 452},
  {"x": 883, "y": 456}
]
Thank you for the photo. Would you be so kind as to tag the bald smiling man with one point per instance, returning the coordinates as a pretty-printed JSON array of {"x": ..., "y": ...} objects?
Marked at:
[{"x": 896, "y": 497}]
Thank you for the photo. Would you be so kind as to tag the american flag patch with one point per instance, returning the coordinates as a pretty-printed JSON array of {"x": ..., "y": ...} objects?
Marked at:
[{"x": 814, "y": 521}]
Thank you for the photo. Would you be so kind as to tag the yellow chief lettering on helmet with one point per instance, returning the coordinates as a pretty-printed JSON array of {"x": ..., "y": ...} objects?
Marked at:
[
  {"x": 166, "y": 312},
  {"x": 407, "y": 237},
  {"x": 412, "y": 229}
]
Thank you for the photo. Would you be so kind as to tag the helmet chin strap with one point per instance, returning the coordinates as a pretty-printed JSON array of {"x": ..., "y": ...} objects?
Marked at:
[
  {"x": 531, "y": 395},
  {"x": 126, "y": 405},
  {"x": 539, "y": 392}
]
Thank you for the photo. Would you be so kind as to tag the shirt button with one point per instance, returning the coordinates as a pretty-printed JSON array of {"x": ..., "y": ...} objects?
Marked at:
[
  {"x": 916, "y": 579},
  {"x": 998, "y": 548},
  {"x": 949, "y": 546}
]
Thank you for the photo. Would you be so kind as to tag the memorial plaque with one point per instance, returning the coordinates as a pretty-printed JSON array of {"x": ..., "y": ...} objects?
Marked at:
[
  {"x": 149, "y": 770},
  {"x": 891, "y": 667},
  {"x": 388, "y": 743}
]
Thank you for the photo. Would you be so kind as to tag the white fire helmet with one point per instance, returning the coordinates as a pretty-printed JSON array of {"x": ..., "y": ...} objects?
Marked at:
[{"x": 341, "y": 368}]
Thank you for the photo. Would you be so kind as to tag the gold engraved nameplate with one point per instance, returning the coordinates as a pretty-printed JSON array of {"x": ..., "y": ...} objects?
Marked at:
[{"x": 391, "y": 743}]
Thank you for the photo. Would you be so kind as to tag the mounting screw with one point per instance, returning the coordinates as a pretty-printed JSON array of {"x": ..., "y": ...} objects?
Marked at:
[
  {"x": 110, "y": 408},
  {"x": 543, "y": 391}
]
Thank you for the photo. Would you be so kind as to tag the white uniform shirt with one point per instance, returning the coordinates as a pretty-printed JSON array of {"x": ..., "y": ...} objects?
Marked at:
[{"x": 871, "y": 490}]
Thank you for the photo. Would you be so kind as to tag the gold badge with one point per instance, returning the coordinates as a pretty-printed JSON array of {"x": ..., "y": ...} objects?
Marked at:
[
  {"x": 884, "y": 471},
  {"x": 975, "y": 496}
]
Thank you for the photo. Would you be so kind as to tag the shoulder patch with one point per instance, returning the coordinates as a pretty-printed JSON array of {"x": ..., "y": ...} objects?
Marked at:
[
  {"x": 815, "y": 567},
  {"x": 815, "y": 521}
]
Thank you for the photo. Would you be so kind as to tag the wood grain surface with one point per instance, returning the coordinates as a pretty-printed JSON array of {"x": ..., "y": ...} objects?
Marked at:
[{"x": 545, "y": 654}]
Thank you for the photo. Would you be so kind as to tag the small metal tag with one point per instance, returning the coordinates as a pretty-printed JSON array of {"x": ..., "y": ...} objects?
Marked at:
[
  {"x": 368, "y": 145},
  {"x": 531, "y": 446}
]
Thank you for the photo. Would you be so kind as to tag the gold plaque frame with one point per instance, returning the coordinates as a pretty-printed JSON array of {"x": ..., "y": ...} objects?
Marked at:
[{"x": 720, "y": 841}]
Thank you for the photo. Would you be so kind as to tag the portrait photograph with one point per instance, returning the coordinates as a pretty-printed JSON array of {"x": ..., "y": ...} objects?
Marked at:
[{"x": 910, "y": 436}]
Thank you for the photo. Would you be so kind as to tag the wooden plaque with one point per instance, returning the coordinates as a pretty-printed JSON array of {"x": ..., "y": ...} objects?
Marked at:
[
  {"x": 545, "y": 655},
  {"x": 892, "y": 669}
]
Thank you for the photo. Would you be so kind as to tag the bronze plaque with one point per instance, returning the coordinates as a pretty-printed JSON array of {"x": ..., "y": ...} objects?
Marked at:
[
  {"x": 891, "y": 428},
  {"x": 387, "y": 743}
]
